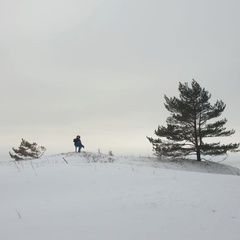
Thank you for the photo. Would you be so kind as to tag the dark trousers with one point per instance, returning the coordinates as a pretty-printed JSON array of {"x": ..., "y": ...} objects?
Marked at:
[{"x": 78, "y": 149}]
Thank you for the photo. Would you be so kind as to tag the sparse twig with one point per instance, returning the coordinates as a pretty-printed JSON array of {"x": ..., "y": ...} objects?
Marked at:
[
  {"x": 16, "y": 166},
  {"x": 224, "y": 159},
  {"x": 19, "y": 215},
  {"x": 65, "y": 160},
  {"x": 33, "y": 169}
]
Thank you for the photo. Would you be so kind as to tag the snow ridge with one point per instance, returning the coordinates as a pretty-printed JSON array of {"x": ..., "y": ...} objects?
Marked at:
[{"x": 174, "y": 164}]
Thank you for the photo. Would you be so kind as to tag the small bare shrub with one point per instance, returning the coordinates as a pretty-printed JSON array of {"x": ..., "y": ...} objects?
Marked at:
[{"x": 110, "y": 153}]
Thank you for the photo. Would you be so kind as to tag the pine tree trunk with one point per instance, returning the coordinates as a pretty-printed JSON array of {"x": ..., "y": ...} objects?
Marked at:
[
  {"x": 198, "y": 154},
  {"x": 197, "y": 140}
]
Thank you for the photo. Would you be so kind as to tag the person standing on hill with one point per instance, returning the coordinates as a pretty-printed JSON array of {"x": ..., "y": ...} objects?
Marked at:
[{"x": 78, "y": 144}]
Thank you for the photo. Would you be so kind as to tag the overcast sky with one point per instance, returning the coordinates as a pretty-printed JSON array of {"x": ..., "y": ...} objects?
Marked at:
[{"x": 100, "y": 68}]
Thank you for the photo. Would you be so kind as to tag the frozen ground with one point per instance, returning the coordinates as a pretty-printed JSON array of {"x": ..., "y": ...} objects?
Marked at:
[{"x": 91, "y": 196}]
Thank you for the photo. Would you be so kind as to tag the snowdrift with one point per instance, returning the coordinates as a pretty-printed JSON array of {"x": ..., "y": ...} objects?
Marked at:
[
  {"x": 174, "y": 164},
  {"x": 100, "y": 197}
]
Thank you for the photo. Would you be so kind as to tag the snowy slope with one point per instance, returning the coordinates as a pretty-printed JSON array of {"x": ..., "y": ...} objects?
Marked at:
[
  {"x": 99, "y": 197},
  {"x": 174, "y": 164}
]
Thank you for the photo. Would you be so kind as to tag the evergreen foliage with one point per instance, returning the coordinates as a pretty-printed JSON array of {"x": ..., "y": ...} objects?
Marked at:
[
  {"x": 27, "y": 150},
  {"x": 188, "y": 125}
]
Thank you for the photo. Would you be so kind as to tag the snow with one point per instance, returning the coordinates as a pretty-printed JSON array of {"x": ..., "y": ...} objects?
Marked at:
[{"x": 102, "y": 197}]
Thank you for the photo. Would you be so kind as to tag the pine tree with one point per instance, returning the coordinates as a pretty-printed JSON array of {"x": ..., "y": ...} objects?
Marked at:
[
  {"x": 189, "y": 125},
  {"x": 27, "y": 150}
]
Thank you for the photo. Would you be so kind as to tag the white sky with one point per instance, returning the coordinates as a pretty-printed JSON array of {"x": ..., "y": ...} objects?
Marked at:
[{"x": 100, "y": 68}]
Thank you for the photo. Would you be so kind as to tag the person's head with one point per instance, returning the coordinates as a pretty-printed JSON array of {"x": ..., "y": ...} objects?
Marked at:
[{"x": 78, "y": 136}]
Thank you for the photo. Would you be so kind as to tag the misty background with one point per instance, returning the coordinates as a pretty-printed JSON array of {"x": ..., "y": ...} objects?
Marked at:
[{"x": 100, "y": 69}]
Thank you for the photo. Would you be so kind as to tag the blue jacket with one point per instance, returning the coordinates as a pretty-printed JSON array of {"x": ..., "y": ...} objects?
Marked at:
[{"x": 77, "y": 142}]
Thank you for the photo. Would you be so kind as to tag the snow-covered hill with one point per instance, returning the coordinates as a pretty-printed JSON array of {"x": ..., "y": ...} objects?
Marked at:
[
  {"x": 174, "y": 164},
  {"x": 91, "y": 196}
]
